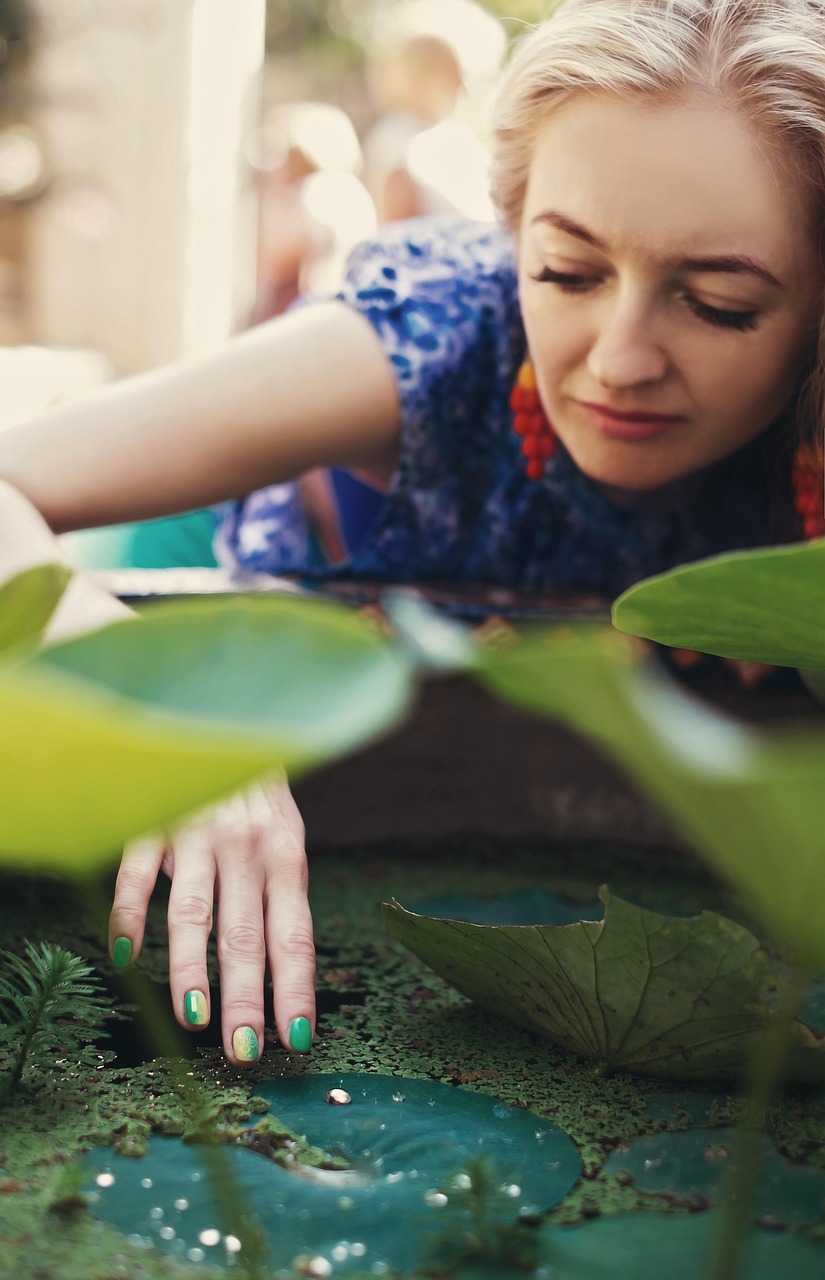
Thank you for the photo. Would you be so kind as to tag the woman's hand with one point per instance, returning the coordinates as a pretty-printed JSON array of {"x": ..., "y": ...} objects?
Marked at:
[{"x": 246, "y": 855}]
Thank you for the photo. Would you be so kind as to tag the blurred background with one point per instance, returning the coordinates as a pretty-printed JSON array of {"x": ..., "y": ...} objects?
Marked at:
[{"x": 172, "y": 171}]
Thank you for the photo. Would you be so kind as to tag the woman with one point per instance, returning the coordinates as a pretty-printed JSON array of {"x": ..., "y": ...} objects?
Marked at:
[{"x": 660, "y": 169}]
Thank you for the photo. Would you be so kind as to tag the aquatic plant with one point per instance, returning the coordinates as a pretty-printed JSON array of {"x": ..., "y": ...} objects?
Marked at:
[{"x": 52, "y": 1010}]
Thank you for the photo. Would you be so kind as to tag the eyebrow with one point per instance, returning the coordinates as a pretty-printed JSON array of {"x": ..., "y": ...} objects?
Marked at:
[{"x": 722, "y": 264}]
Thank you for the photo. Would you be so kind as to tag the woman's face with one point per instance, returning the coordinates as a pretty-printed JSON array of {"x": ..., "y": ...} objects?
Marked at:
[{"x": 669, "y": 284}]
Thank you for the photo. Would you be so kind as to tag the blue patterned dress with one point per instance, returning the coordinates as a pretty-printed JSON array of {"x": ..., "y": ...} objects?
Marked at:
[{"x": 441, "y": 296}]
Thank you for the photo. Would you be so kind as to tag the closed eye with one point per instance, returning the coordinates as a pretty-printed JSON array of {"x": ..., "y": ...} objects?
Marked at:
[
  {"x": 741, "y": 320},
  {"x": 572, "y": 282},
  {"x": 569, "y": 282}
]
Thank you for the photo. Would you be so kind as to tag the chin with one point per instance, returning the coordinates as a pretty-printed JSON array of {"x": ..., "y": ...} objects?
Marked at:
[{"x": 635, "y": 473}]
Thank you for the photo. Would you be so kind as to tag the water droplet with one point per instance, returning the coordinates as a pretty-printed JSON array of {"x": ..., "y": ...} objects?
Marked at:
[
  {"x": 398, "y": 1096},
  {"x": 211, "y": 1236},
  {"x": 105, "y": 1179},
  {"x": 339, "y": 1253},
  {"x": 156, "y": 1212},
  {"x": 337, "y": 1098},
  {"x": 167, "y": 1233},
  {"x": 501, "y": 1111},
  {"x": 653, "y": 1162},
  {"x": 181, "y": 1204},
  {"x": 431, "y": 1102},
  {"x": 436, "y": 1199},
  {"x": 346, "y": 1202},
  {"x": 306, "y": 1265},
  {"x": 146, "y": 1183},
  {"x": 232, "y": 1244},
  {"x": 358, "y": 1250},
  {"x": 716, "y": 1153},
  {"x": 395, "y": 1177},
  {"x": 195, "y": 1255},
  {"x": 380, "y": 1269},
  {"x": 511, "y": 1189},
  {"x": 462, "y": 1182}
]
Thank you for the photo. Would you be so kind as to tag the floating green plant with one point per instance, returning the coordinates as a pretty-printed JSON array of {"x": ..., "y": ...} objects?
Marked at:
[
  {"x": 636, "y": 990},
  {"x": 421, "y": 1159}
]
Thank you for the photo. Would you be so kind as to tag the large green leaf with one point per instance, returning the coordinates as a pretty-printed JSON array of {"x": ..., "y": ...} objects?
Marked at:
[
  {"x": 752, "y": 802},
  {"x": 649, "y": 993},
  {"x": 27, "y": 601},
  {"x": 766, "y": 605},
  {"x": 125, "y": 730}
]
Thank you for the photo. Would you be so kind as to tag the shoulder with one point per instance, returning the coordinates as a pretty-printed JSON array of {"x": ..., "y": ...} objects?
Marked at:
[{"x": 431, "y": 253}]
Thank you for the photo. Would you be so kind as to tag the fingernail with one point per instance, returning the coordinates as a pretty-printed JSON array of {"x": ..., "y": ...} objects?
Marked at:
[
  {"x": 245, "y": 1044},
  {"x": 194, "y": 1009},
  {"x": 300, "y": 1035},
  {"x": 121, "y": 953}
]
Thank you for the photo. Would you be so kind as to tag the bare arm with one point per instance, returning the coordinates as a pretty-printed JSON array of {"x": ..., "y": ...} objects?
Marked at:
[{"x": 313, "y": 388}]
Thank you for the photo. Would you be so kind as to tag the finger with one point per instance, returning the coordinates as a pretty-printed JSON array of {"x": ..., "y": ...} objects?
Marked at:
[
  {"x": 240, "y": 934},
  {"x": 189, "y": 920},
  {"x": 135, "y": 883},
  {"x": 289, "y": 936}
]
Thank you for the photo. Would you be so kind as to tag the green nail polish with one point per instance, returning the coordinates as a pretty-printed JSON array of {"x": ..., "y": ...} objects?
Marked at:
[
  {"x": 121, "y": 953},
  {"x": 194, "y": 1009},
  {"x": 300, "y": 1035},
  {"x": 245, "y": 1044}
]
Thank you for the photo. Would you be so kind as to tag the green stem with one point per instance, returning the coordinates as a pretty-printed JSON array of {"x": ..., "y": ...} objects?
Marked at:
[
  {"x": 745, "y": 1162},
  {"x": 167, "y": 1042}
]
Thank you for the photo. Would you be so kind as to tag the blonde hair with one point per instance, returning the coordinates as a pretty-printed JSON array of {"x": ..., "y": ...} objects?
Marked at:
[{"x": 765, "y": 57}]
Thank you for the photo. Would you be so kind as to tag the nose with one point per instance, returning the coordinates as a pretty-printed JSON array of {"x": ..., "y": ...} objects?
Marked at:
[{"x": 624, "y": 352}]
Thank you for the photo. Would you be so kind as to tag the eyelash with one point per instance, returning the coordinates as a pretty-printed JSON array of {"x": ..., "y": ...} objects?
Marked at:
[{"x": 742, "y": 321}]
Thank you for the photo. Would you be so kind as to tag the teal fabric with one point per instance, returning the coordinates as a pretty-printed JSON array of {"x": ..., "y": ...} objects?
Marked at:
[{"x": 174, "y": 542}]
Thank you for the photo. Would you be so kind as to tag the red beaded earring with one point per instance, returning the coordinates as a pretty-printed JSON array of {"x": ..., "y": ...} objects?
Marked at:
[
  {"x": 538, "y": 440},
  {"x": 809, "y": 491}
]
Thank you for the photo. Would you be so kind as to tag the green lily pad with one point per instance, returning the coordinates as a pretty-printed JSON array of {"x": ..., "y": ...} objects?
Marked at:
[
  {"x": 647, "y": 993},
  {"x": 752, "y": 802},
  {"x": 627, "y": 1247},
  {"x": 404, "y": 1140},
  {"x": 695, "y": 1163},
  {"x": 766, "y": 605},
  {"x": 27, "y": 601},
  {"x": 127, "y": 729}
]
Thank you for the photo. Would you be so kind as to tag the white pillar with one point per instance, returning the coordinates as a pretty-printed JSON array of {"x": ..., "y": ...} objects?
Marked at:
[{"x": 144, "y": 248}]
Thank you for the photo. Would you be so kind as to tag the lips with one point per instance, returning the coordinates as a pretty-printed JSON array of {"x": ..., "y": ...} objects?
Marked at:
[{"x": 633, "y": 425}]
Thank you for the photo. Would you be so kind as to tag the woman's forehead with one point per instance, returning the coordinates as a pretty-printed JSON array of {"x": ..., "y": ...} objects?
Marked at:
[{"x": 675, "y": 176}]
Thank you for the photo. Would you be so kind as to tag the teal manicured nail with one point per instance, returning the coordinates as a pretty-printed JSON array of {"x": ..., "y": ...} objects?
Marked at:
[
  {"x": 300, "y": 1035},
  {"x": 194, "y": 1009},
  {"x": 245, "y": 1044},
  {"x": 121, "y": 953}
]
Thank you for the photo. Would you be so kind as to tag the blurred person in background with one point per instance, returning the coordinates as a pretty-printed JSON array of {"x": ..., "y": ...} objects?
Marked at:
[{"x": 431, "y": 69}]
